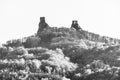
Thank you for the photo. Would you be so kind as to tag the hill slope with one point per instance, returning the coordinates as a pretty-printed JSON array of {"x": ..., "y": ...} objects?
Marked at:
[{"x": 61, "y": 54}]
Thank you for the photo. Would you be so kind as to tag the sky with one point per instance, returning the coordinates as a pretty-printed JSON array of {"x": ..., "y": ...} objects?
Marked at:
[{"x": 20, "y": 18}]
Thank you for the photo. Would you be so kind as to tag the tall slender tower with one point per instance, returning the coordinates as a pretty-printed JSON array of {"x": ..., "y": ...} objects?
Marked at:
[{"x": 42, "y": 25}]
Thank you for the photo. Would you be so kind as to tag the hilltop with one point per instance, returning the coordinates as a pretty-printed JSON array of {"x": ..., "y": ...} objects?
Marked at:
[{"x": 60, "y": 54}]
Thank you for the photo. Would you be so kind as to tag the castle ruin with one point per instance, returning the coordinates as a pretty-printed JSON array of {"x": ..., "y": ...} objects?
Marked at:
[
  {"x": 75, "y": 25},
  {"x": 42, "y": 25}
]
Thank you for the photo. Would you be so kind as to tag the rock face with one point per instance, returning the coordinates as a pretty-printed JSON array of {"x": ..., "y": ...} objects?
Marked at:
[
  {"x": 75, "y": 25},
  {"x": 42, "y": 25}
]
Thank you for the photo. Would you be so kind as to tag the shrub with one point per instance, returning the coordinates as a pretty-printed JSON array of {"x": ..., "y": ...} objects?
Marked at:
[
  {"x": 60, "y": 63},
  {"x": 32, "y": 42},
  {"x": 14, "y": 43},
  {"x": 20, "y": 51},
  {"x": 37, "y": 50},
  {"x": 3, "y": 52},
  {"x": 47, "y": 35}
]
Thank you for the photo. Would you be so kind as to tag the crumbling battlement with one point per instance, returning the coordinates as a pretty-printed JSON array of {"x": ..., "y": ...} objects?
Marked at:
[
  {"x": 75, "y": 25},
  {"x": 42, "y": 25}
]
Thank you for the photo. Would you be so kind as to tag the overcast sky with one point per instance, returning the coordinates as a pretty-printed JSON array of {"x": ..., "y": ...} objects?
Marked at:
[{"x": 20, "y": 18}]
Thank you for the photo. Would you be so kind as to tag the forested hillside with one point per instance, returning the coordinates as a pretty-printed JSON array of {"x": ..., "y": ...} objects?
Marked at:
[{"x": 61, "y": 54}]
